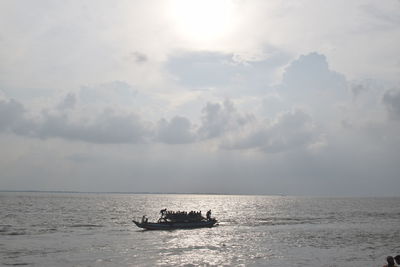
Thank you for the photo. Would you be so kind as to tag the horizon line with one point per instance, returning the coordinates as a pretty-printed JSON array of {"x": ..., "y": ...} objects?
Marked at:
[{"x": 186, "y": 193}]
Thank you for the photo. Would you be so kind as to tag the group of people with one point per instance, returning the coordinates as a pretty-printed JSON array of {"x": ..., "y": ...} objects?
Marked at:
[
  {"x": 183, "y": 215},
  {"x": 166, "y": 213},
  {"x": 391, "y": 261}
]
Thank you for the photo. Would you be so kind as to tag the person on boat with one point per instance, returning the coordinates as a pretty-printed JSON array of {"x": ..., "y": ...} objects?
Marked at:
[
  {"x": 397, "y": 259},
  {"x": 390, "y": 261},
  {"x": 208, "y": 215}
]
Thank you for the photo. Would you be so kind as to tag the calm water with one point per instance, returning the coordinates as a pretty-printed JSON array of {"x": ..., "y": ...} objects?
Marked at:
[{"x": 44, "y": 229}]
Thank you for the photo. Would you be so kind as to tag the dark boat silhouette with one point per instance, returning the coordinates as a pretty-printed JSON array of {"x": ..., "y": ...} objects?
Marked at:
[{"x": 170, "y": 220}]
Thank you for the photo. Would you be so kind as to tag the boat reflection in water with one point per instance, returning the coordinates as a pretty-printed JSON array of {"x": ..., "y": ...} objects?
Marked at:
[{"x": 178, "y": 220}]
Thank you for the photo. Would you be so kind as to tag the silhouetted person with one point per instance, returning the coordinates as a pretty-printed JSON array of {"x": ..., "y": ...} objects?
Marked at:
[
  {"x": 208, "y": 214},
  {"x": 390, "y": 261},
  {"x": 397, "y": 259}
]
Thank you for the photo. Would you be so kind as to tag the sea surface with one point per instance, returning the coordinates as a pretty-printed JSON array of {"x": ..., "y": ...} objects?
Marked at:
[{"x": 76, "y": 229}]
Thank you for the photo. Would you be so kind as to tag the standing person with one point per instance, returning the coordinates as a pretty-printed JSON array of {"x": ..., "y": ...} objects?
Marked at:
[
  {"x": 208, "y": 214},
  {"x": 390, "y": 261}
]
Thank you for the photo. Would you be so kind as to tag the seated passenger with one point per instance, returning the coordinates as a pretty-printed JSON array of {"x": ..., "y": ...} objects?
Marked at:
[{"x": 163, "y": 211}]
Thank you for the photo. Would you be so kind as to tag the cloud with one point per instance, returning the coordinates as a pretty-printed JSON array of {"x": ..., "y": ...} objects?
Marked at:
[
  {"x": 106, "y": 127},
  {"x": 290, "y": 130},
  {"x": 310, "y": 74},
  {"x": 76, "y": 49},
  {"x": 218, "y": 119},
  {"x": 358, "y": 89},
  {"x": 221, "y": 121},
  {"x": 68, "y": 102},
  {"x": 176, "y": 131},
  {"x": 11, "y": 114},
  {"x": 201, "y": 69},
  {"x": 308, "y": 82},
  {"x": 137, "y": 57},
  {"x": 391, "y": 100},
  {"x": 104, "y": 113}
]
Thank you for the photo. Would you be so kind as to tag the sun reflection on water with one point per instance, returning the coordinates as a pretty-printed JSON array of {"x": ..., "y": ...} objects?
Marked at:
[
  {"x": 217, "y": 246},
  {"x": 79, "y": 229},
  {"x": 197, "y": 247}
]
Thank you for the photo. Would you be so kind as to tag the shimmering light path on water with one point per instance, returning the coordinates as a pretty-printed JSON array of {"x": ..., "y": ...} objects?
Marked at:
[{"x": 59, "y": 229}]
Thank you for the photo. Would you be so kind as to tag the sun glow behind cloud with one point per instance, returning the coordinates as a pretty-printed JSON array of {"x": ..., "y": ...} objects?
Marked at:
[
  {"x": 184, "y": 95},
  {"x": 202, "y": 21}
]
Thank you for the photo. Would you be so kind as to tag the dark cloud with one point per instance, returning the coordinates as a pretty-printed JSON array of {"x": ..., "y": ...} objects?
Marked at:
[
  {"x": 138, "y": 57},
  {"x": 176, "y": 131},
  {"x": 391, "y": 100},
  {"x": 218, "y": 119}
]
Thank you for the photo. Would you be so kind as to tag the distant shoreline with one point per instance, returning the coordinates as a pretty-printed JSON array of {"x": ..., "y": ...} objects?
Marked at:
[{"x": 188, "y": 193}]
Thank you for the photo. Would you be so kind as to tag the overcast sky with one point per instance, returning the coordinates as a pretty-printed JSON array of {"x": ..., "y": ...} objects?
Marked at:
[{"x": 215, "y": 96}]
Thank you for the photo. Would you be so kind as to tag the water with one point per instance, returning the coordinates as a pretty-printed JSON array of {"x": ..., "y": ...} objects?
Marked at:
[{"x": 60, "y": 229}]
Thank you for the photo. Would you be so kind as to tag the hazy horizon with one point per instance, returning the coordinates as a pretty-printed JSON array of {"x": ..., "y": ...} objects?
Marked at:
[
  {"x": 234, "y": 97},
  {"x": 197, "y": 193}
]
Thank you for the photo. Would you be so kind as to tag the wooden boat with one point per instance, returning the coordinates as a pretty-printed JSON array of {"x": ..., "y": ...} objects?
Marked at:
[
  {"x": 177, "y": 220},
  {"x": 175, "y": 225}
]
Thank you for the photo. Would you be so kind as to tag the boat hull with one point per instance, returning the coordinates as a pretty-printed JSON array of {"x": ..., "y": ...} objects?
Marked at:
[{"x": 175, "y": 225}]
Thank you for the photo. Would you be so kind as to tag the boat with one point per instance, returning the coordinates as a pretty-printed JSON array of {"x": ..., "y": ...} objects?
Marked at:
[{"x": 171, "y": 220}]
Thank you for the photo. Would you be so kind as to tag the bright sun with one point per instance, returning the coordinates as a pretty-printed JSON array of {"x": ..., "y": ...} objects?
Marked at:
[{"x": 202, "y": 21}]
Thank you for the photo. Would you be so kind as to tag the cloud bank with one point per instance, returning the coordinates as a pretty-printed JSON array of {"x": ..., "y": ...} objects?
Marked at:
[{"x": 286, "y": 99}]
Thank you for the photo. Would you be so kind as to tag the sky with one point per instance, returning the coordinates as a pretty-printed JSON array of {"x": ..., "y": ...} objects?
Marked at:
[{"x": 211, "y": 96}]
